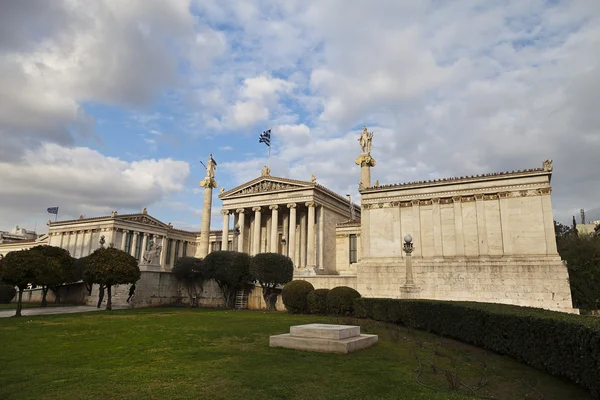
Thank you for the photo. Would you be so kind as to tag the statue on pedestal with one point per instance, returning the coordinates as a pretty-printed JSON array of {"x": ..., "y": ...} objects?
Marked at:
[
  {"x": 266, "y": 171},
  {"x": 365, "y": 140},
  {"x": 209, "y": 181},
  {"x": 152, "y": 255}
]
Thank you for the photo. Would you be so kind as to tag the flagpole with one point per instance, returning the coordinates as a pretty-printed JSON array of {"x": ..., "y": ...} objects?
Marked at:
[
  {"x": 269, "y": 157},
  {"x": 56, "y": 216}
]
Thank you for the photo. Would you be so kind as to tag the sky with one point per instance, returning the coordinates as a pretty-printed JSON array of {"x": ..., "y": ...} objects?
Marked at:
[{"x": 112, "y": 104}]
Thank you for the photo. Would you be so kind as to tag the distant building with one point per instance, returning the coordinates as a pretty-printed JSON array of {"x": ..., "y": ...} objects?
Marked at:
[
  {"x": 590, "y": 227},
  {"x": 17, "y": 234}
]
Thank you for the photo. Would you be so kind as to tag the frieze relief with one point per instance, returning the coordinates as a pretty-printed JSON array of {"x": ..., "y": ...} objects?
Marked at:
[
  {"x": 143, "y": 219},
  {"x": 457, "y": 199},
  {"x": 266, "y": 186}
]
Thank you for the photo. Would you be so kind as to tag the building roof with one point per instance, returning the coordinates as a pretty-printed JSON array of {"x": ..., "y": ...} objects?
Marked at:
[
  {"x": 306, "y": 184},
  {"x": 462, "y": 179},
  {"x": 351, "y": 222}
]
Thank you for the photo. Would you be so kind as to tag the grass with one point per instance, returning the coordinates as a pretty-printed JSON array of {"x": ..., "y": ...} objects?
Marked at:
[
  {"x": 13, "y": 306},
  {"x": 170, "y": 353}
]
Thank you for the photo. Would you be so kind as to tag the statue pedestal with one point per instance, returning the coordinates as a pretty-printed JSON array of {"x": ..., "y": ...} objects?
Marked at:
[{"x": 150, "y": 267}]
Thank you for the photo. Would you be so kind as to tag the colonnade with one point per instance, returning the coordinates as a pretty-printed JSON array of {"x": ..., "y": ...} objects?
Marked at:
[{"x": 291, "y": 229}]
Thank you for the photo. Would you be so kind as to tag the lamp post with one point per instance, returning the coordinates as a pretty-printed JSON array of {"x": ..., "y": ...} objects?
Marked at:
[
  {"x": 236, "y": 233},
  {"x": 102, "y": 241},
  {"x": 283, "y": 243},
  {"x": 408, "y": 249}
]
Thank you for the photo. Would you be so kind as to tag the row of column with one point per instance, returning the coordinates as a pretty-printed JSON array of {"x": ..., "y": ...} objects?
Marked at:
[
  {"x": 307, "y": 231},
  {"x": 82, "y": 239}
]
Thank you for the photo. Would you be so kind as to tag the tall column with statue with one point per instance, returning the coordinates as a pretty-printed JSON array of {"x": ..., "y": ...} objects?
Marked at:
[
  {"x": 365, "y": 160},
  {"x": 208, "y": 183}
]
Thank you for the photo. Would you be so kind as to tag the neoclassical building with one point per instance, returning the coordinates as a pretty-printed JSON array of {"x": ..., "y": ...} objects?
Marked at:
[{"x": 479, "y": 238}]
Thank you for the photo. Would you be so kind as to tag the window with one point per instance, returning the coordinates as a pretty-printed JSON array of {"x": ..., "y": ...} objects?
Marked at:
[
  {"x": 169, "y": 244},
  {"x": 215, "y": 246},
  {"x": 230, "y": 245},
  {"x": 353, "y": 247},
  {"x": 138, "y": 246},
  {"x": 177, "y": 249},
  {"x": 184, "y": 249}
]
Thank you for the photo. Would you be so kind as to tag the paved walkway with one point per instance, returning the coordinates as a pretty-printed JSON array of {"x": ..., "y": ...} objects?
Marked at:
[{"x": 27, "y": 312}]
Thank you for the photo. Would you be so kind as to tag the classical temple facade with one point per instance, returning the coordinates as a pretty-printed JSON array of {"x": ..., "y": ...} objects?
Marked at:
[{"x": 483, "y": 238}]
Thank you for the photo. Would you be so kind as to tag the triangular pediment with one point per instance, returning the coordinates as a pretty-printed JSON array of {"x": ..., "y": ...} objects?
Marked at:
[
  {"x": 142, "y": 219},
  {"x": 264, "y": 185}
]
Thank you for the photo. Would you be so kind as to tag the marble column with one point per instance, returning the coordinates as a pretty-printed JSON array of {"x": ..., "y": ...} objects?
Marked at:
[
  {"x": 62, "y": 238},
  {"x": 292, "y": 234},
  {"x": 173, "y": 255},
  {"x": 242, "y": 224},
  {"x": 74, "y": 252},
  {"x": 124, "y": 239},
  {"x": 134, "y": 243},
  {"x": 311, "y": 236},
  {"x": 302, "y": 255},
  {"x": 274, "y": 223},
  {"x": 256, "y": 236},
  {"x": 225, "y": 234},
  {"x": 144, "y": 244},
  {"x": 286, "y": 224},
  {"x": 458, "y": 226},
  {"x": 163, "y": 252},
  {"x": 91, "y": 242}
]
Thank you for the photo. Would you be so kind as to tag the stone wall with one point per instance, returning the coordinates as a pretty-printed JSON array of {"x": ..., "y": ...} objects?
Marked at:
[
  {"x": 541, "y": 282},
  {"x": 329, "y": 281}
]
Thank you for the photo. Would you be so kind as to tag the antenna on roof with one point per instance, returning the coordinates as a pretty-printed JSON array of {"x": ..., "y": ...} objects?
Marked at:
[
  {"x": 582, "y": 211},
  {"x": 351, "y": 207}
]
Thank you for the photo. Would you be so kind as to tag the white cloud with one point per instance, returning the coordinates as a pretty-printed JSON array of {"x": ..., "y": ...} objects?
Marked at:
[{"x": 83, "y": 181}]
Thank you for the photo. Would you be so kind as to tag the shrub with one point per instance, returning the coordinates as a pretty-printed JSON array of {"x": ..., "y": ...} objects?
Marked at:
[
  {"x": 563, "y": 344},
  {"x": 7, "y": 293},
  {"x": 340, "y": 300},
  {"x": 230, "y": 269},
  {"x": 188, "y": 270},
  {"x": 294, "y": 296},
  {"x": 317, "y": 301}
]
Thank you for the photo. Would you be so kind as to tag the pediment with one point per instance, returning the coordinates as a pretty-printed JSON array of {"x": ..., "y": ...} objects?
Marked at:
[
  {"x": 265, "y": 185},
  {"x": 143, "y": 219}
]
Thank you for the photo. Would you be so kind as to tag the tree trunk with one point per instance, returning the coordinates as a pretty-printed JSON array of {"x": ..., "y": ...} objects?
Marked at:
[
  {"x": 109, "y": 301},
  {"x": 44, "y": 293},
  {"x": 100, "y": 295},
  {"x": 19, "y": 303},
  {"x": 270, "y": 298},
  {"x": 190, "y": 290}
]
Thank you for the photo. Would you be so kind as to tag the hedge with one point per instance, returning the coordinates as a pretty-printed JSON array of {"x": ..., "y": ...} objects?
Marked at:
[
  {"x": 340, "y": 300},
  {"x": 294, "y": 296},
  {"x": 562, "y": 344},
  {"x": 317, "y": 301}
]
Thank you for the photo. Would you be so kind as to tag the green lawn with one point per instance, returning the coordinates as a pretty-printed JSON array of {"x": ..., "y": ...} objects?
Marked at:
[
  {"x": 172, "y": 353},
  {"x": 13, "y": 306}
]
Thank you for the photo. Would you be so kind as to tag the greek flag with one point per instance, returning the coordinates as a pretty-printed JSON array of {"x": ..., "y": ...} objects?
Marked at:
[
  {"x": 53, "y": 210},
  {"x": 265, "y": 138}
]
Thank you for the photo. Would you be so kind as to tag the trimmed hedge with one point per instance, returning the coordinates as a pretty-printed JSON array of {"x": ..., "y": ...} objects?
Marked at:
[
  {"x": 317, "y": 301},
  {"x": 7, "y": 293},
  {"x": 563, "y": 344},
  {"x": 340, "y": 300},
  {"x": 294, "y": 296}
]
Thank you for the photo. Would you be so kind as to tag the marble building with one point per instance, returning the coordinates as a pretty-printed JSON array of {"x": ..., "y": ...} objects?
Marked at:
[{"x": 479, "y": 238}]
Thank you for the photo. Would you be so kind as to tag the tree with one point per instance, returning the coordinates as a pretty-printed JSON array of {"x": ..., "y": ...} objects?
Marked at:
[
  {"x": 110, "y": 267},
  {"x": 19, "y": 269},
  {"x": 189, "y": 271},
  {"x": 230, "y": 269},
  {"x": 55, "y": 269},
  {"x": 582, "y": 254},
  {"x": 270, "y": 270}
]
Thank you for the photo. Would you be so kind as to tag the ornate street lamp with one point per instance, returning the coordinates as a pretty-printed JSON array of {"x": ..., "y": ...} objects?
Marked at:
[
  {"x": 102, "y": 241},
  {"x": 408, "y": 249},
  {"x": 283, "y": 243}
]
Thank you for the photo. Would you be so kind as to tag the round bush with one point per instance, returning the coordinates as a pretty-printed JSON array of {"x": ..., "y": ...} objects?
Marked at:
[
  {"x": 340, "y": 300},
  {"x": 294, "y": 296},
  {"x": 7, "y": 293},
  {"x": 317, "y": 301}
]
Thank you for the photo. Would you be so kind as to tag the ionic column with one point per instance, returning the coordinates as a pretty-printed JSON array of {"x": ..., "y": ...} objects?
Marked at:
[
  {"x": 481, "y": 225},
  {"x": 225, "y": 235},
  {"x": 62, "y": 238},
  {"x": 458, "y": 226},
  {"x": 292, "y": 234},
  {"x": 286, "y": 225},
  {"x": 133, "y": 243},
  {"x": 416, "y": 223},
  {"x": 173, "y": 255},
  {"x": 180, "y": 252},
  {"x": 123, "y": 239},
  {"x": 163, "y": 252},
  {"x": 144, "y": 243},
  {"x": 274, "y": 221},
  {"x": 548, "y": 221},
  {"x": 302, "y": 255},
  {"x": 74, "y": 253},
  {"x": 91, "y": 243},
  {"x": 256, "y": 236},
  {"x": 437, "y": 228},
  {"x": 311, "y": 236},
  {"x": 242, "y": 224}
]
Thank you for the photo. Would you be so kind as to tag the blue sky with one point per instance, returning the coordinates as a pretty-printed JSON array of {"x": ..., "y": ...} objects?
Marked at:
[{"x": 111, "y": 105}]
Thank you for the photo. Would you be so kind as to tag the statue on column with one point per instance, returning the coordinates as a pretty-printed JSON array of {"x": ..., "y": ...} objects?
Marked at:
[
  {"x": 365, "y": 140},
  {"x": 209, "y": 181}
]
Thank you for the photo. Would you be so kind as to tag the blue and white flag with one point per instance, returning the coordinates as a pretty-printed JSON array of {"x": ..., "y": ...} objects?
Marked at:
[
  {"x": 265, "y": 138},
  {"x": 53, "y": 210}
]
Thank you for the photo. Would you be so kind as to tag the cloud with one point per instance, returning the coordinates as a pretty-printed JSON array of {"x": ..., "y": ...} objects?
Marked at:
[
  {"x": 83, "y": 181},
  {"x": 109, "y": 52}
]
